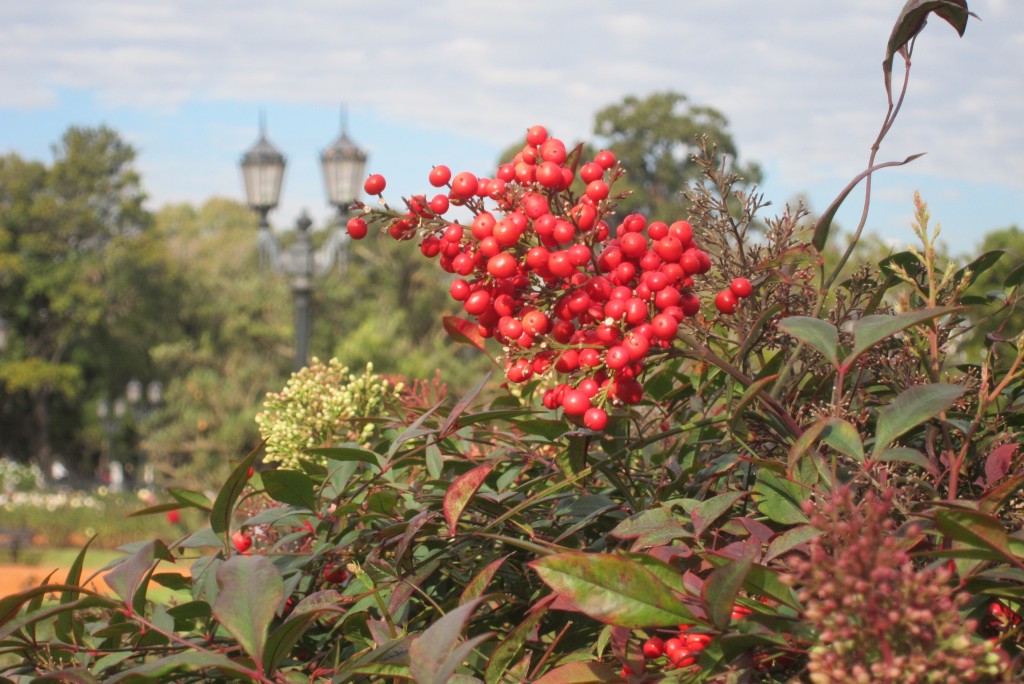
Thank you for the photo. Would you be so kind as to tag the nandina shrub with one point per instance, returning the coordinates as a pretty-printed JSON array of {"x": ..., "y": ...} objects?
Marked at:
[{"x": 664, "y": 489}]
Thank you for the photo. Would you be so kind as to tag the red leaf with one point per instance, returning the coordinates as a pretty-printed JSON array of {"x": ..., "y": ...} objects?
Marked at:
[
  {"x": 997, "y": 465},
  {"x": 461, "y": 330},
  {"x": 461, "y": 491}
]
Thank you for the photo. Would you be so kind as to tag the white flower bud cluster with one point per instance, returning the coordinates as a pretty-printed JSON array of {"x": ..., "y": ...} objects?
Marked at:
[{"x": 317, "y": 408}]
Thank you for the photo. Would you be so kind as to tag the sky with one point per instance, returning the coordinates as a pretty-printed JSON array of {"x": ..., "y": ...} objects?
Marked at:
[{"x": 456, "y": 82}]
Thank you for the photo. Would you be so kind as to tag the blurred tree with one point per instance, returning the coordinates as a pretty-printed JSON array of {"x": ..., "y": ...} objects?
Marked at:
[
  {"x": 654, "y": 139},
  {"x": 230, "y": 341},
  {"x": 1004, "y": 316},
  {"x": 72, "y": 243}
]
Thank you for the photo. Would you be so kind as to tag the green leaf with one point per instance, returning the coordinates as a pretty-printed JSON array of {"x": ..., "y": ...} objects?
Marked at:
[
  {"x": 224, "y": 504},
  {"x": 510, "y": 647},
  {"x": 709, "y": 510},
  {"x": 789, "y": 540},
  {"x": 911, "y": 408},
  {"x": 613, "y": 589},
  {"x": 824, "y": 224},
  {"x": 190, "y": 498},
  {"x": 283, "y": 638},
  {"x": 975, "y": 529},
  {"x": 437, "y": 652},
  {"x": 74, "y": 579},
  {"x": 347, "y": 453},
  {"x": 818, "y": 334},
  {"x": 127, "y": 578},
  {"x": 475, "y": 587},
  {"x": 290, "y": 487},
  {"x": 579, "y": 672},
  {"x": 912, "y": 20},
  {"x": 451, "y": 420},
  {"x": 779, "y": 499},
  {"x": 718, "y": 593},
  {"x": 1014, "y": 278},
  {"x": 980, "y": 265},
  {"x": 458, "y": 494},
  {"x": 870, "y": 330},
  {"x": 843, "y": 437},
  {"x": 906, "y": 455},
  {"x": 188, "y": 661},
  {"x": 250, "y": 590}
]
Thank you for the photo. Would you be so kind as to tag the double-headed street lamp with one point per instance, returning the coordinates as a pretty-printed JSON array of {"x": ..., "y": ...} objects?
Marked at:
[{"x": 343, "y": 164}]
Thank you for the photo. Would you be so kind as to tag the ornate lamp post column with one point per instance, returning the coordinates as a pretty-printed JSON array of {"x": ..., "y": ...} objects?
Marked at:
[{"x": 343, "y": 164}]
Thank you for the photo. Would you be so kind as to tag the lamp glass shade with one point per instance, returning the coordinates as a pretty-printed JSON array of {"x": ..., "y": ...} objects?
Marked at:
[
  {"x": 343, "y": 165},
  {"x": 263, "y": 174}
]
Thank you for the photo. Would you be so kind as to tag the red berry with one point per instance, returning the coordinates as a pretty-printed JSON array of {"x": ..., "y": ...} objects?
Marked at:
[
  {"x": 440, "y": 175},
  {"x": 502, "y": 265},
  {"x": 741, "y": 287},
  {"x": 242, "y": 541},
  {"x": 549, "y": 174},
  {"x": 595, "y": 418},
  {"x": 375, "y": 184},
  {"x": 575, "y": 402},
  {"x": 464, "y": 185},
  {"x": 725, "y": 302},
  {"x": 536, "y": 135},
  {"x": 597, "y": 190},
  {"x": 605, "y": 159},
  {"x": 653, "y": 648},
  {"x": 335, "y": 574},
  {"x": 357, "y": 228},
  {"x": 439, "y": 205},
  {"x": 174, "y": 516}
]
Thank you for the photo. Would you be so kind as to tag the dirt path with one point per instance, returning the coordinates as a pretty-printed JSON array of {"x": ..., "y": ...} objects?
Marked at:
[{"x": 15, "y": 578}]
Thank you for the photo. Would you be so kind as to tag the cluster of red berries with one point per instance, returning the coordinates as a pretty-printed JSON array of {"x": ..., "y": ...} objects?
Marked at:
[
  {"x": 547, "y": 276},
  {"x": 683, "y": 650}
]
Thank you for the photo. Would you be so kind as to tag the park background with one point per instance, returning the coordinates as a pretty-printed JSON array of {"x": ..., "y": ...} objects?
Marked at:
[{"x": 146, "y": 269}]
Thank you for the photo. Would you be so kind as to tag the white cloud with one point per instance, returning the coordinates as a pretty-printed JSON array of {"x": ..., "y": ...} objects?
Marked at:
[{"x": 800, "y": 81}]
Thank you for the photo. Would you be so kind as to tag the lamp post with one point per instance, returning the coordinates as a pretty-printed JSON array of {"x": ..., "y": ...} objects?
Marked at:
[
  {"x": 137, "y": 403},
  {"x": 343, "y": 164}
]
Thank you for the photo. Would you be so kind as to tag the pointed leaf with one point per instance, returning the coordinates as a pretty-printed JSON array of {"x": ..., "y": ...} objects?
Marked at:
[
  {"x": 579, "y": 672},
  {"x": 250, "y": 589},
  {"x": 709, "y": 510},
  {"x": 870, "y": 330},
  {"x": 290, "y": 487},
  {"x": 466, "y": 332},
  {"x": 283, "y": 638},
  {"x": 612, "y": 589},
  {"x": 74, "y": 579},
  {"x": 779, "y": 499},
  {"x": 347, "y": 453},
  {"x": 906, "y": 455},
  {"x": 476, "y": 586},
  {"x": 224, "y": 504},
  {"x": 975, "y": 529},
  {"x": 824, "y": 224},
  {"x": 434, "y": 654},
  {"x": 911, "y": 408},
  {"x": 126, "y": 578},
  {"x": 510, "y": 647},
  {"x": 843, "y": 437},
  {"x": 912, "y": 21},
  {"x": 718, "y": 593},
  {"x": 820, "y": 335},
  {"x": 997, "y": 463},
  {"x": 462, "y": 405},
  {"x": 461, "y": 491},
  {"x": 190, "y": 498},
  {"x": 980, "y": 265}
]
